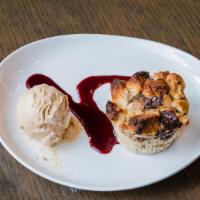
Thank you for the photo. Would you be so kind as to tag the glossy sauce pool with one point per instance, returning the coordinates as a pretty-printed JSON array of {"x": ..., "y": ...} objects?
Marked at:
[{"x": 96, "y": 124}]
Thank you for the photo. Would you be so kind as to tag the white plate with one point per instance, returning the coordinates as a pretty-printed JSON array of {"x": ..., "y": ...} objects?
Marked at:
[{"x": 69, "y": 59}]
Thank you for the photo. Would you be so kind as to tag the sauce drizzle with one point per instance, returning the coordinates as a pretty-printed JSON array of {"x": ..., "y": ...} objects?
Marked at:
[{"x": 96, "y": 124}]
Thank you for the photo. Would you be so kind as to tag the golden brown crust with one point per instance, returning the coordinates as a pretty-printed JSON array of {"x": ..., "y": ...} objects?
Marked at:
[
  {"x": 181, "y": 105},
  {"x": 155, "y": 88},
  {"x": 160, "y": 75},
  {"x": 117, "y": 89},
  {"x": 119, "y": 93},
  {"x": 144, "y": 99},
  {"x": 166, "y": 103},
  {"x": 134, "y": 84},
  {"x": 147, "y": 123},
  {"x": 176, "y": 85}
]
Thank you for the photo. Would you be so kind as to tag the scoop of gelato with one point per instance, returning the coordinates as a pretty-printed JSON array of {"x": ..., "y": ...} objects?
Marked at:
[{"x": 43, "y": 113}]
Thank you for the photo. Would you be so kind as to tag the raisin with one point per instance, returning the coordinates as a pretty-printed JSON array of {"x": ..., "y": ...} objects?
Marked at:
[
  {"x": 111, "y": 111},
  {"x": 169, "y": 119},
  {"x": 143, "y": 74},
  {"x": 154, "y": 102}
]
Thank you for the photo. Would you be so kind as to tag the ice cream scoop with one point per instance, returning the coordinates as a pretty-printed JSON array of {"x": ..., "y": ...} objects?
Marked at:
[{"x": 43, "y": 113}]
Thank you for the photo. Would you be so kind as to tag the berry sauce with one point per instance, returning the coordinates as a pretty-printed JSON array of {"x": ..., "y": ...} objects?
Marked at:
[{"x": 96, "y": 124}]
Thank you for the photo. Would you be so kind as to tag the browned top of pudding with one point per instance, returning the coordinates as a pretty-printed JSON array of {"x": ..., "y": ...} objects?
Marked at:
[{"x": 147, "y": 104}]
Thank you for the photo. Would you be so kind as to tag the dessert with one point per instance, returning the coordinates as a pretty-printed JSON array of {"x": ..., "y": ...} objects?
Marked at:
[
  {"x": 147, "y": 112},
  {"x": 43, "y": 114}
]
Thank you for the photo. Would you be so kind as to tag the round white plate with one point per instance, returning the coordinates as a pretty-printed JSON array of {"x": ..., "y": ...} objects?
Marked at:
[{"x": 68, "y": 60}]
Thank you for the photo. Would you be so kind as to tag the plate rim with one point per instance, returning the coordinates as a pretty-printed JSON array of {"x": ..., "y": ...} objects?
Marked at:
[{"x": 88, "y": 187}]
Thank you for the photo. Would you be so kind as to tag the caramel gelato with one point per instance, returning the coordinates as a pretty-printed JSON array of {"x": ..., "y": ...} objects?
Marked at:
[{"x": 43, "y": 113}]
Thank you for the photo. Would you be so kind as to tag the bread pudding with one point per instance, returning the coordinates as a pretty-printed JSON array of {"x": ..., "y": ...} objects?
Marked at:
[{"x": 147, "y": 112}]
